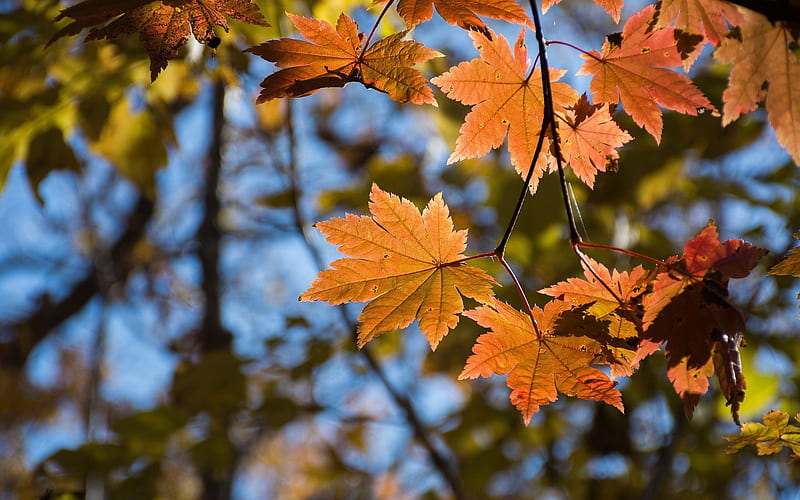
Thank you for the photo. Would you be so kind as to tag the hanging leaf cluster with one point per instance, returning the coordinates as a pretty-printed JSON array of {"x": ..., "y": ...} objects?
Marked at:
[{"x": 410, "y": 266}]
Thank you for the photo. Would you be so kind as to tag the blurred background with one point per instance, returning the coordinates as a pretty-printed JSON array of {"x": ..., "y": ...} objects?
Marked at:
[{"x": 154, "y": 239}]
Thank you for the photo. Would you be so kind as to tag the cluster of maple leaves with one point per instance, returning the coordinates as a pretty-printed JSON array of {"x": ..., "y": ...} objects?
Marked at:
[{"x": 410, "y": 265}]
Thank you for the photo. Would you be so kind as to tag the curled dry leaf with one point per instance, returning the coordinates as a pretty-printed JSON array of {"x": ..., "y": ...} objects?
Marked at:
[{"x": 163, "y": 26}]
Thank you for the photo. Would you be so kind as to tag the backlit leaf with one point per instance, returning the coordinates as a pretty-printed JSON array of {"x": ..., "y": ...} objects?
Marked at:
[
  {"x": 762, "y": 55},
  {"x": 710, "y": 18},
  {"x": 632, "y": 70},
  {"x": 332, "y": 57},
  {"x": 590, "y": 139},
  {"x": 463, "y": 13},
  {"x": 163, "y": 26},
  {"x": 506, "y": 98},
  {"x": 620, "y": 312},
  {"x": 690, "y": 311},
  {"x": 405, "y": 263},
  {"x": 539, "y": 365},
  {"x": 770, "y": 437}
]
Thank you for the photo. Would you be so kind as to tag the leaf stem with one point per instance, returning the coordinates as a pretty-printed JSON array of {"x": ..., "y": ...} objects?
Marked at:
[
  {"x": 630, "y": 253},
  {"x": 374, "y": 28},
  {"x": 575, "y": 47},
  {"x": 521, "y": 292}
]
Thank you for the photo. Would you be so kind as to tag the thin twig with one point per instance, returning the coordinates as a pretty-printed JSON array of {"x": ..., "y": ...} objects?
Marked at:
[
  {"x": 374, "y": 28},
  {"x": 501, "y": 247}
]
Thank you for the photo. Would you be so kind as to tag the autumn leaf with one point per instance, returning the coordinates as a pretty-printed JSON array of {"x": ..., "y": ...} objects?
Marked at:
[
  {"x": 761, "y": 54},
  {"x": 613, "y": 7},
  {"x": 463, "y": 13},
  {"x": 632, "y": 70},
  {"x": 710, "y": 18},
  {"x": 620, "y": 311},
  {"x": 770, "y": 437},
  {"x": 506, "y": 98},
  {"x": 790, "y": 264},
  {"x": 406, "y": 264},
  {"x": 163, "y": 26},
  {"x": 590, "y": 139},
  {"x": 334, "y": 57},
  {"x": 689, "y": 310},
  {"x": 539, "y": 364}
]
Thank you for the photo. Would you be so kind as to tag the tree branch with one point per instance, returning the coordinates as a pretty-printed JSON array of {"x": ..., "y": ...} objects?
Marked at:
[
  {"x": 26, "y": 334},
  {"x": 213, "y": 336}
]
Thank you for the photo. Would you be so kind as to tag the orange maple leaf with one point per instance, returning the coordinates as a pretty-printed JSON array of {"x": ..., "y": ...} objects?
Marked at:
[
  {"x": 163, "y": 26},
  {"x": 620, "y": 311},
  {"x": 710, "y": 18},
  {"x": 612, "y": 7},
  {"x": 689, "y": 310},
  {"x": 539, "y": 365},
  {"x": 334, "y": 57},
  {"x": 406, "y": 264},
  {"x": 505, "y": 98},
  {"x": 764, "y": 54},
  {"x": 463, "y": 13},
  {"x": 589, "y": 142},
  {"x": 632, "y": 70}
]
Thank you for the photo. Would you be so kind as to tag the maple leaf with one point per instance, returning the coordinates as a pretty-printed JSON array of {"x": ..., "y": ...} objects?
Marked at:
[
  {"x": 632, "y": 70},
  {"x": 710, "y": 18},
  {"x": 621, "y": 312},
  {"x": 463, "y": 13},
  {"x": 770, "y": 437},
  {"x": 790, "y": 264},
  {"x": 163, "y": 26},
  {"x": 334, "y": 57},
  {"x": 763, "y": 54},
  {"x": 406, "y": 264},
  {"x": 612, "y": 7},
  {"x": 539, "y": 365},
  {"x": 589, "y": 142},
  {"x": 505, "y": 99},
  {"x": 689, "y": 310}
]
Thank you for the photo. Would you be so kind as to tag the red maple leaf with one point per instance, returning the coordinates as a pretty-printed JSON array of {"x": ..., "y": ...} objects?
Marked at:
[
  {"x": 632, "y": 70},
  {"x": 334, "y": 57},
  {"x": 506, "y": 98},
  {"x": 690, "y": 311},
  {"x": 163, "y": 26},
  {"x": 539, "y": 364}
]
